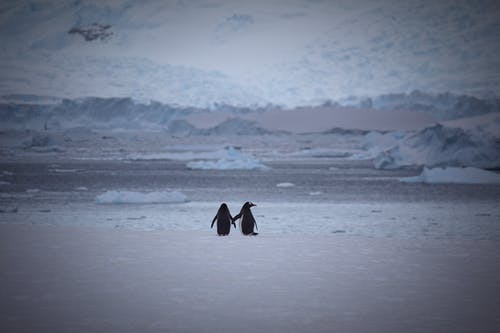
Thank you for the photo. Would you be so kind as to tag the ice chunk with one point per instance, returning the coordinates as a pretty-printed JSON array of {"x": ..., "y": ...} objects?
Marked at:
[
  {"x": 467, "y": 175},
  {"x": 285, "y": 184},
  {"x": 128, "y": 197}
]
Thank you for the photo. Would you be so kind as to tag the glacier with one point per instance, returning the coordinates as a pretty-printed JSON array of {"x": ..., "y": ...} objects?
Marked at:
[{"x": 232, "y": 56}]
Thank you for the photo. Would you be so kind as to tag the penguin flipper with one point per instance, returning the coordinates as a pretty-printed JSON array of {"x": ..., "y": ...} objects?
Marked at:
[{"x": 213, "y": 221}]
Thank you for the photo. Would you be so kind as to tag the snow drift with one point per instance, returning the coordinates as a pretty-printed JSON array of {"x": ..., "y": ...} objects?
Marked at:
[
  {"x": 128, "y": 197},
  {"x": 467, "y": 175}
]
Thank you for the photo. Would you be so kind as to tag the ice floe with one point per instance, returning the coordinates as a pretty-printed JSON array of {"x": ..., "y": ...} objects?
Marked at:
[
  {"x": 285, "y": 184},
  {"x": 228, "y": 159},
  {"x": 467, "y": 175},
  {"x": 129, "y": 197}
]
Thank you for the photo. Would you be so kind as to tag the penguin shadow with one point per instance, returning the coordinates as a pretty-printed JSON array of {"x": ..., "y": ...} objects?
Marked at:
[{"x": 225, "y": 219}]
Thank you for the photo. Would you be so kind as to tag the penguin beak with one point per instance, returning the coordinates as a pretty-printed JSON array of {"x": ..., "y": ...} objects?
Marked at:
[{"x": 252, "y": 204}]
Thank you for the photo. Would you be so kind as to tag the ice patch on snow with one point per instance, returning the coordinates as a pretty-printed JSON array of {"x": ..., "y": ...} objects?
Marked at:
[
  {"x": 467, "y": 175},
  {"x": 128, "y": 197},
  {"x": 230, "y": 159}
]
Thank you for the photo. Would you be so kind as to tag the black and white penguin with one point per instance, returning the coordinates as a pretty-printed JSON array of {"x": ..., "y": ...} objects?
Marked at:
[
  {"x": 247, "y": 221},
  {"x": 224, "y": 220}
]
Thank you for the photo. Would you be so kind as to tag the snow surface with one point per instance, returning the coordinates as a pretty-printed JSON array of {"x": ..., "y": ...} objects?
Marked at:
[
  {"x": 129, "y": 197},
  {"x": 467, "y": 175},
  {"x": 95, "y": 279}
]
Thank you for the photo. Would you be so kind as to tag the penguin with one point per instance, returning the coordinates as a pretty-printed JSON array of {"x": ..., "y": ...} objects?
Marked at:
[
  {"x": 247, "y": 220},
  {"x": 224, "y": 220}
]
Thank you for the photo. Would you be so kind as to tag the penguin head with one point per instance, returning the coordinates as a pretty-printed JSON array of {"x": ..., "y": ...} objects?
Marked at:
[
  {"x": 249, "y": 204},
  {"x": 223, "y": 207}
]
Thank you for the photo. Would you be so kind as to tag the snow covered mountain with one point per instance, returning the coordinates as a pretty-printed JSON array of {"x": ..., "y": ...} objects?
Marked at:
[{"x": 198, "y": 53}]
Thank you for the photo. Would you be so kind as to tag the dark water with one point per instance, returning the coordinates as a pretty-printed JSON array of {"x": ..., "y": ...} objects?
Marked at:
[{"x": 325, "y": 180}]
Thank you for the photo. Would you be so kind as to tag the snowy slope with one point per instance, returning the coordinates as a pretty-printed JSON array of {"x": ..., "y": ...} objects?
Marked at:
[{"x": 200, "y": 53}]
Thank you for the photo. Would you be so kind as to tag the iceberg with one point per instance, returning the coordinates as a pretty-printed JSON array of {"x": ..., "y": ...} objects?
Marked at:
[
  {"x": 375, "y": 142},
  {"x": 235, "y": 126},
  {"x": 129, "y": 197},
  {"x": 231, "y": 159},
  {"x": 467, "y": 175},
  {"x": 441, "y": 145}
]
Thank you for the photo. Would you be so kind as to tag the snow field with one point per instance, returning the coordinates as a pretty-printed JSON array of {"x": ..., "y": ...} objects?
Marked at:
[{"x": 86, "y": 279}]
